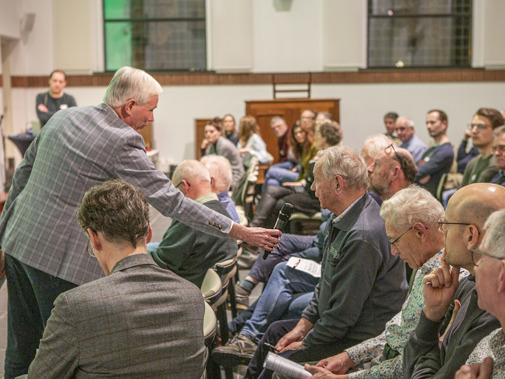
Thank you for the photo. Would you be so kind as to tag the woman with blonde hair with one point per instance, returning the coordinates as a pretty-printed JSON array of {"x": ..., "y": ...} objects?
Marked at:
[{"x": 250, "y": 142}]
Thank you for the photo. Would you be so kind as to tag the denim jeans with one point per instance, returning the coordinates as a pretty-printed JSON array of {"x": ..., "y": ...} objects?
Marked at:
[
  {"x": 279, "y": 174},
  {"x": 289, "y": 245},
  {"x": 284, "y": 283},
  {"x": 31, "y": 295}
]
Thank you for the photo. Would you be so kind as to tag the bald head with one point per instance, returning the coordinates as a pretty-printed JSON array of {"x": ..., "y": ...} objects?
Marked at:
[
  {"x": 475, "y": 202},
  {"x": 220, "y": 171},
  {"x": 192, "y": 178}
]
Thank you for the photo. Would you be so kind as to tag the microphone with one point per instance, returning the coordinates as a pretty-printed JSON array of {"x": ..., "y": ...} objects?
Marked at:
[{"x": 282, "y": 219}]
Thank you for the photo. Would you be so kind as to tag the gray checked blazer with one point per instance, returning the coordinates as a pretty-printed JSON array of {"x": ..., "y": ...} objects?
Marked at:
[
  {"x": 80, "y": 147},
  {"x": 141, "y": 321}
]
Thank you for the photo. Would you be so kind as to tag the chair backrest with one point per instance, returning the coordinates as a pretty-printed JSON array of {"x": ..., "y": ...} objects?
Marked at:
[
  {"x": 209, "y": 325},
  {"x": 226, "y": 269},
  {"x": 211, "y": 286}
]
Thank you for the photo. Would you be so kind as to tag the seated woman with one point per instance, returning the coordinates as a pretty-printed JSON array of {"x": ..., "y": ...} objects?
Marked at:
[
  {"x": 328, "y": 133},
  {"x": 250, "y": 142},
  {"x": 230, "y": 132},
  {"x": 301, "y": 143},
  {"x": 215, "y": 144}
]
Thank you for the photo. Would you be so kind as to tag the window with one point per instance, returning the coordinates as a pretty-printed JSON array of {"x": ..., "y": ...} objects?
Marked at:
[
  {"x": 419, "y": 34},
  {"x": 155, "y": 34}
]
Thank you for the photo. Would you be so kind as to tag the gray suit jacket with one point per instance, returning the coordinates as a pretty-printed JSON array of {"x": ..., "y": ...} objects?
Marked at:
[
  {"x": 141, "y": 321},
  {"x": 80, "y": 147}
]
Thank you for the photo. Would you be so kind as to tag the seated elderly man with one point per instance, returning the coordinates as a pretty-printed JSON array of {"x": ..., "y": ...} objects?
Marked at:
[
  {"x": 499, "y": 155},
  {"x": 184, "y": 250},
  {"x": 411, "y": 217},
  {"x": 489, "y": 262},
  {"x": 117, "y": 326},
  {"x": 356, "y": 255},
  {"x": 425, "y": 356},
  {"x": 220, "y": 180}
]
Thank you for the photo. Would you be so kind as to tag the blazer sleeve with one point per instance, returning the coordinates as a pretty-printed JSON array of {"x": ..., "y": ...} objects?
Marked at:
[{"x": 58, "y": 354}]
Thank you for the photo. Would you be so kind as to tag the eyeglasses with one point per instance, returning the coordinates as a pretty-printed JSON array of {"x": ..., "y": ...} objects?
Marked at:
[
  {"x": 442, "y": 225},
  {"x": 181, "y": 182},
  {"x": 477, "y": 251},
  {"x": 480, "y": 127},
  {"x": 500, "y": 148},
  {"x": 399, "y": 158},
  {"x": 397, "y": 239},
  {"x": 89, "y": 249}
]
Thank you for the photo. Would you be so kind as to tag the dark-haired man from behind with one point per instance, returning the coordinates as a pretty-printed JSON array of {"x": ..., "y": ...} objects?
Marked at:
[
  {"x": 438, "y": 159},
  {"x": 140, "y": 320},
  {"x": 50, "y": 102}
]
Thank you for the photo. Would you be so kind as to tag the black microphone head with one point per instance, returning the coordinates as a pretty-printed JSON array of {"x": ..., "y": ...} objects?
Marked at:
[{"x": 286, "y": 211}]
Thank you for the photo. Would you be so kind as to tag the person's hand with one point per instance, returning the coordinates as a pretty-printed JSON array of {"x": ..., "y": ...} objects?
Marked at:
[
  {"x": 244, "y": 151},
  {"x": 455, "y": 311},
  {"x": 294, "y": 346},
  {"x": 439, "y": 289},
  {"x": 2, "y": 264},
  {"x": 296, "y": 335},
  {"x": 476, "y": 371},
  {"x": 205, "y": 143},
  {"x": 337, "y": 364},
  {"x": 291, "y": 184},
  {"x": 319, "y": 372},
  {"x": 294, "y": 169},
  {"x": 42, "y": 108},
  {"x": 467, "y": 135},
  {"x": 267, "y": 239},
  {"x": 425, "y": 179}
]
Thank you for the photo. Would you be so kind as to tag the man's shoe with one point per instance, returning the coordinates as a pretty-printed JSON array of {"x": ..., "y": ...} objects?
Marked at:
[
  {"x": 238, "y": 351},
  {"x": 242, "y": 297}
]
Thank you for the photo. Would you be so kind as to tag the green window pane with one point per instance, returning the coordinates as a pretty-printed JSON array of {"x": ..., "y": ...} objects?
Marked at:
[
  {"x": 116, "y": 9},
  {"x": 118, "y": 45}
]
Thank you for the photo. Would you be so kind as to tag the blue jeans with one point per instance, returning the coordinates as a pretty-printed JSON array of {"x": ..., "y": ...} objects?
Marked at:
[
  {"x": 280, "y": 173},
  {"x": 31, "y": 295},
  {"x": 284, "y": 283},
  {"x": 289, "y": 245}
]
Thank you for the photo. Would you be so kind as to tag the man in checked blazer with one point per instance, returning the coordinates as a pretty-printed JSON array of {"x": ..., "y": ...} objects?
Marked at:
[
  {"x": 80, "y": 147},
  {"x": 140, "y": 321}
]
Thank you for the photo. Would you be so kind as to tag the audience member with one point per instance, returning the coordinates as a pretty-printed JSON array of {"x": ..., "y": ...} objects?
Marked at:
[
  {"x": 411, "y": 217},
  {"x": 405, "y": 130},
  {"x": 373, "y": 145},
  {"x": 220, "y": 181},
  {"x": 482, "y": 168},
  {"x": 282, "y": 132},
  {"x": 489, "y": 261},
  {"x": 184, "y": 250},
  {"x": 437, "y": 160},
  {"x": 390, "y": 124},
  {"x": 362, "y": 285},
  {"x": 307, "y": 119},
  {"x": 230, "y": 132},
  {"x": 50, "y": 102},
  {"x": 81, "y": 147},
  {"x": 424, "y": 355},
  {"x": 117, "y": 325},
  {"x": 499, "y": 155},
  {"x": 215, "y": 144},
  {"x": 322, "y": 116},
  {"x": 250, "y": 142}
]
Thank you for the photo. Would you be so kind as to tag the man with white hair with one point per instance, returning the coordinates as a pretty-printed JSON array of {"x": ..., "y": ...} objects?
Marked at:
[
  {"x": 220, "y": 180},
  {"x": 411, "y": 217},
  {"x": 489, "y": 261},
  {"x": 80, "y": 147},
  {"x": 405, "y": 129},
  {"x": 184, "y": 250}
]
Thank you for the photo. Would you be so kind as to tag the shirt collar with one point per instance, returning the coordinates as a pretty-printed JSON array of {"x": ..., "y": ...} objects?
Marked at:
[{"x": 206, "y": 198}]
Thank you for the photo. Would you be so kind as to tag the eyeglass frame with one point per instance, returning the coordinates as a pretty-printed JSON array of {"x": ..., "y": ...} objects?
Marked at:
[
  {"x": 181, "y": 182},
  {"x": 399, "y": 158},
  {"x": 442, "y": 225},
  {"x": 480, "y": 127},
  {"x": 477, "y": 251},
  {"x": 501, "y": 149},
  {"x": 90, "y": 251},
  {"x": 392, "y": 243}
]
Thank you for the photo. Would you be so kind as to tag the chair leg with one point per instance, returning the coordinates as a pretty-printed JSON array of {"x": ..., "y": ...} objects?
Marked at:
[
  {"x": 231, "y": 296},
  {"x": 228, "y": 372},
  {"x": 223, "y": 323}
]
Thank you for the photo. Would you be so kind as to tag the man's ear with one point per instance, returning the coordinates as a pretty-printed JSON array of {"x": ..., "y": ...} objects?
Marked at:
[
  {"x": 95, "y": 240},
  {"x": 128, "y": 106},
  {"x": 339, "y": 184},
  {"x": 149, "y": 234},
  {"x": 420, "y": 229},
  {"x": 472, "y": 236}
]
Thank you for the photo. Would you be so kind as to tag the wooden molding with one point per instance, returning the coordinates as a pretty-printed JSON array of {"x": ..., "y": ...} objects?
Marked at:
[{"x": 211, "y": 78}]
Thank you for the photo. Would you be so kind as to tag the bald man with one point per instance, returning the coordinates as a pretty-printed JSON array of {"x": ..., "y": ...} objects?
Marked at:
[
  {"x": 184, "y": 250},
  {"x": 425, "y": 356}
]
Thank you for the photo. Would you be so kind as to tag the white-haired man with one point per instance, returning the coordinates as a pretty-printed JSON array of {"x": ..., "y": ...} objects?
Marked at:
[
  {"x": 220, "y": 179},
  {"x": 405, "y": 129},
  {"x": 80, "y": 147}
]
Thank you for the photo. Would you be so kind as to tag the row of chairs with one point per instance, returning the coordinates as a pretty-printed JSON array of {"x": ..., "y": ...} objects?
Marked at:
[{"x": 217, "y": 288}]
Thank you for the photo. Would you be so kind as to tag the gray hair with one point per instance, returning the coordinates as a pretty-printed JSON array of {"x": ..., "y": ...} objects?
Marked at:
[
  {"x": 131, "y": 83},
  {"x": 117, "y": 210},
  {"x": 411, "y": 205},
  {"x": 499, "y": 131},
  {"x": 277, "y": 118},
  {"x": 341, "y": 160},
  {"x": 375, "y": 144},
  {"x": 494, "y": 240},
  {"x": 220, "y": 169},
  {"x": 191, "y": 170}
]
